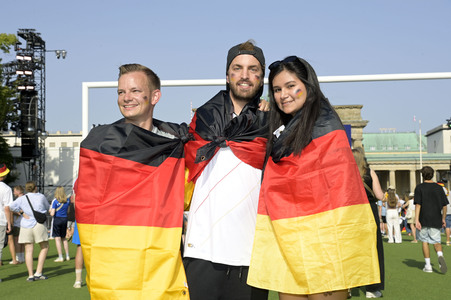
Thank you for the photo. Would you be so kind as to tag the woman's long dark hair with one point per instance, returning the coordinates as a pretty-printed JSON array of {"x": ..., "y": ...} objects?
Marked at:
[{"x": 301, "y": 134}]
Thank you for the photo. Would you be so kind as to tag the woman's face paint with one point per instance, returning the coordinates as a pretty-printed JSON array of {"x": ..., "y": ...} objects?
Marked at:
[{"x": 299, "y": 93}]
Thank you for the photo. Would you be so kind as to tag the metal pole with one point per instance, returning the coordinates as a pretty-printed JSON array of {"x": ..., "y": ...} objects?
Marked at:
[{"x": 421, "y": 149}]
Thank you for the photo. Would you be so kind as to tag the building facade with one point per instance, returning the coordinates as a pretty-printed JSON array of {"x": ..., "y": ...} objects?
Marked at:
[
  {"x": 62, "y": 151},
  {"x": 396, "y": 157}
]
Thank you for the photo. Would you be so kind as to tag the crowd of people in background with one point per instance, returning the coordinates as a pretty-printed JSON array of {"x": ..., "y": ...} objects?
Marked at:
[
  {"x": 403, "y": 213},
  {"x": 31, "y": 219}
]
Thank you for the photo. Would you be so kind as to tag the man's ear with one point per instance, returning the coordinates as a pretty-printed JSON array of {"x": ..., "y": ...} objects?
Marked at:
[{"x": 155, "y": 97}]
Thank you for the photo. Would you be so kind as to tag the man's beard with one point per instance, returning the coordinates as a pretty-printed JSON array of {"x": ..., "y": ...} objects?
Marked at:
[{"x": 245, "y": 96}]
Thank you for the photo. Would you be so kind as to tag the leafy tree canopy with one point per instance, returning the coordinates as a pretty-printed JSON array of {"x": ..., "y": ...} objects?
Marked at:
[{"x": 6, "y": 41}]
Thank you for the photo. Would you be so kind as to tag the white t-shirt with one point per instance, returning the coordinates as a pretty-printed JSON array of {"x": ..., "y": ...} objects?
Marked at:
[
  {"x": 162, "y": 133},
  {"x": 6, "y": 198},
  {"x": 222, "y": 216},
  {"x": 411, "y": 206},
  {"x": 39, "y": 203}
]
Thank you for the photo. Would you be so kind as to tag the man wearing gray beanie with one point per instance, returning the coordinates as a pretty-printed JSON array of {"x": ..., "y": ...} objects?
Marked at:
[{"x": 225, "y": 163}]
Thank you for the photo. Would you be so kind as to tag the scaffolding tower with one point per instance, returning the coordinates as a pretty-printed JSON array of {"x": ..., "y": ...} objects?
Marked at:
[{"x": 26, "y": 74}]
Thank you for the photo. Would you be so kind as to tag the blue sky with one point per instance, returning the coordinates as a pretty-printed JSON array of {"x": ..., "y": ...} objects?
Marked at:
[{"x": 190, "y": 40}]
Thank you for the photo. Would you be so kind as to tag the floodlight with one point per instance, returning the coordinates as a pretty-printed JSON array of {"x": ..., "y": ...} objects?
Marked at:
[{"x": 23, "y": 57}]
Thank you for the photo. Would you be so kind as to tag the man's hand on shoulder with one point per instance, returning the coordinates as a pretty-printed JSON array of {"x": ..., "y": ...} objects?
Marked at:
[{"x": 263, "y": 105}]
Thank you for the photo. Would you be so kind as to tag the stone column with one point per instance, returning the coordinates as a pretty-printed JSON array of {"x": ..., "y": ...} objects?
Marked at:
[
  {"x": 351, "y": 115},
  {"x": 392, "y": 178},
  {"x": 413, "y": 181}
]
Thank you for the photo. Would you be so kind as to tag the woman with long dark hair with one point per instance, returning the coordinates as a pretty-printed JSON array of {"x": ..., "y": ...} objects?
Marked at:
[{"x": 315, "y": 235}]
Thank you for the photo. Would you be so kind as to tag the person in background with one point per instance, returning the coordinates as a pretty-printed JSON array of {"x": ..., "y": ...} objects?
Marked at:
[
  {"x": 402, "y": 215},
  {"x": 59, "y": 213},
  {"x": 315, "y": 235},
  {"x": 79, "y": 253},
  {"x": 31, "y": 231},
  {"x": 382, "y": 205},
  {"x": 17, "y": 251},
  {"x": 374, "y": 193},
  {"x": 6, "y": 198},
  {"x": 430, "y": 200},
  {"x": 78, "y": 259},
  {"x": 70, "y": 218},
  {"x": 393, "y": 227},
  {"x": 410, "y": 216},
  {"x": 442, "y": 183}
]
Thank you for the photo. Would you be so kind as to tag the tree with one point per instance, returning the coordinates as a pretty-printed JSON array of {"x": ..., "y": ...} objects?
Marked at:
[
  {"x": 6, "y": 41},
  {"x": 7, "y": 112}
]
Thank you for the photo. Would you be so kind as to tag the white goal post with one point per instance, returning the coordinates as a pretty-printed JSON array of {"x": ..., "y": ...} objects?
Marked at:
[{"x": 222, "y": 82}]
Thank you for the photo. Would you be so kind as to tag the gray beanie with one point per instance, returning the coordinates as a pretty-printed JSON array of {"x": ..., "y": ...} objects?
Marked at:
[{"x": 236, "y": 50}]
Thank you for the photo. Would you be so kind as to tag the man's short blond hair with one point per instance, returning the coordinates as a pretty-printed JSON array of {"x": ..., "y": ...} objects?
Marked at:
[{"x": 152, "y": 78}]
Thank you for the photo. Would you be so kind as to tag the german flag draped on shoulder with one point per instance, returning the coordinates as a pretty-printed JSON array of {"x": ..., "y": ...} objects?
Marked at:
[
  {"x": 214, "y": 126},
  {"x": 315, "y": 229},
  {"x": 129, "y": 210}
]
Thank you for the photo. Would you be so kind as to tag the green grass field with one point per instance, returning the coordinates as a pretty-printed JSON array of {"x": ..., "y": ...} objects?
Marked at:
[{"x": 403, "y": 263}]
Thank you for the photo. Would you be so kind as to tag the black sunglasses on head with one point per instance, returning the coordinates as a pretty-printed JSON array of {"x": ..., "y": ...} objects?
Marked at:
[{"x": 278, "y": 62}]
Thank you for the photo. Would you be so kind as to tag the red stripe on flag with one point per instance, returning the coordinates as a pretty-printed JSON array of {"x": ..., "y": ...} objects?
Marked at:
[
  {"x": 324, "y": 177},
  {"x": 116, "y": 191},
  {"x": 252, "y": 153}
]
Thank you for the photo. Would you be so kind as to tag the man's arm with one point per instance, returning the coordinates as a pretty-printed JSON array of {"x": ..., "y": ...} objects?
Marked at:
[
  {"x": 417, "y": 216},
  {"x": 380, "y": 211},
  {"x": 444, "y": 216},
  {"x": 8, "y": 218},
  {"x": 263, "y": 105}
]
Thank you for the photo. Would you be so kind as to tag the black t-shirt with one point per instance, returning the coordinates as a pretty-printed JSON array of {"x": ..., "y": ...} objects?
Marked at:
[{"x": 432, "y": 198}]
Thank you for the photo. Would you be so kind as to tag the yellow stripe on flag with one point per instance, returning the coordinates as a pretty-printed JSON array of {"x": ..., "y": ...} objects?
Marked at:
[
  {"x": 133, "y": 262},
  {"x": 307, "y": 255}
]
